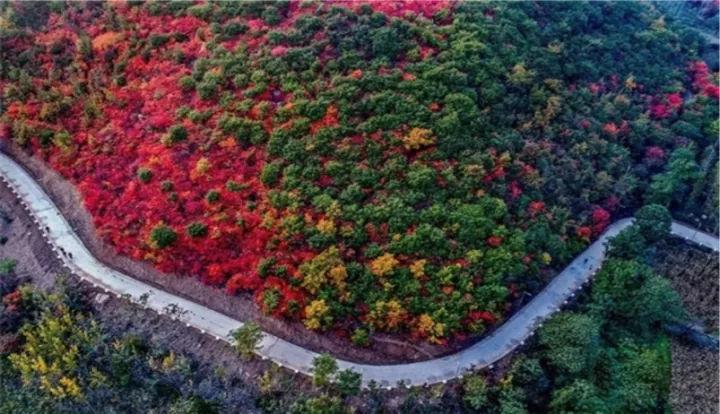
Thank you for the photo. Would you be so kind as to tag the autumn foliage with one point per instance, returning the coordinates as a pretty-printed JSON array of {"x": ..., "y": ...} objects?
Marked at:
[{"x": 393, "y": 166}]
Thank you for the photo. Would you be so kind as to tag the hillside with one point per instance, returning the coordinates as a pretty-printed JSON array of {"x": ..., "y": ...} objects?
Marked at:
[{"x": 396, "y": 167}]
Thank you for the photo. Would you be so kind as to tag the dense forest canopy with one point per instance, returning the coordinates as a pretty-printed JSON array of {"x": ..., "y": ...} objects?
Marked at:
[
  {"x": 391, "y": 167},
  {"x": 606, "y": 352}
]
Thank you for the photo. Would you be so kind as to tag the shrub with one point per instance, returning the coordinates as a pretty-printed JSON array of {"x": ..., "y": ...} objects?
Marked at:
[
  {"x": 175, "y": 134},
  {"x": 235, "y": 186},
  {"x": 212, "y": 196},
  {"x": 7, "y": 266},
  {"x": 475, "y": 392},
  {"x": 187, "y": 83},
  {"x": 162, "y": 236},
  {"x": 324, "y": 369},
  {"x": 62, "y": 140},
  {"x": 361, "y": 337},
  {"x": 166, "y": 185},
  {"x": 270, "y": 300},
  {"x": 247, "y": 338},
  {"x": 196, "y": 229},
  {"x": 144, "y": 174}
]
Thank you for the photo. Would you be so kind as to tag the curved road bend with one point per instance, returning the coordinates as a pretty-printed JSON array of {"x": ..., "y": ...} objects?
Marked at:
[{"x": 511, "y": 334}]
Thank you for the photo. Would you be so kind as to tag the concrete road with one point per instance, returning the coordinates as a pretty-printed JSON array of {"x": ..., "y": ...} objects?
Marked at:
[{"x": 71, "y": 250}]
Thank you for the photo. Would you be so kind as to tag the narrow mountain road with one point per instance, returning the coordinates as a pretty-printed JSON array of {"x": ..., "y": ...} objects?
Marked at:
[{"x": 71, "y": 250}]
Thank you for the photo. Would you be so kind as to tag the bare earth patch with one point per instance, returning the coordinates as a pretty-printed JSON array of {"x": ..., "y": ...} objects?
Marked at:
[
  {"x": 694, "y": 274},
  {"x": 694, "y": 388}
]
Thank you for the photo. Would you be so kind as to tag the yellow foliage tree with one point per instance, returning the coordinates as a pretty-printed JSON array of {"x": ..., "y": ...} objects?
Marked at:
[
  {"x": 418, "y": 138},
  {"x": 426, "y": 326},
  {"x": 630, "y": 82},
  {"x": 383, "y": 264},
  {"x": 338, "y": 275},
  {"x": 521, "y": 75},
  {"x": 387, "y": 315},
  {"x": 316, "y": 314},
  {"x": 546, "y": 258},
  {"x": 52, "y": 353},
  {"x": 316, "y": 272},
  {"x": 334, "y": 210},
  {"x": 326, "y": 226},
  {"x": 201, "y": 167},
  {"x": 418, "y": 268}
]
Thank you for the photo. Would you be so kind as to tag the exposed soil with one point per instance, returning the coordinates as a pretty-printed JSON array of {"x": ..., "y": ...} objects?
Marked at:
[
  {"x": 694, "y": 388},
  {"x": 384, "y": 349},
  {"x": 694, "y": 274}
]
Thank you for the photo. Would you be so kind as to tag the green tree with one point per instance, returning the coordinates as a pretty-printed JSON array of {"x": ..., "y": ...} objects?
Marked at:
[
  {"x": 212, "y": 196},
  {"x": 640, "y": 377},
  {"x": 196, "y": 229},
  {"x": 323, "y": 404},
  {"x": 349, "y": 382},
  {"x": 162, "y": 236},
  {"x": 580, "y": 396},
  {"x": 247, "y": 338},
  {"x": 528, "y": 373},
  {"x": 510, "y": 401},
  {"x": 653, "y": 221},
  {"x": 7, "y": 266},
  {"x": 628, "y": 296},
  {"x": 361, "y": 337},
  {"x": 193, "y": 405},
  {"x": 475, "y": 392},
  {"x": 324, "y": 369},
  {"x": 144, "y": 175},
  {"x": 570, "y": 343},
  {"x": 628, "y": 244},
  {"x": 175, "y": 134},
  {"x": 673, "y": 184}
]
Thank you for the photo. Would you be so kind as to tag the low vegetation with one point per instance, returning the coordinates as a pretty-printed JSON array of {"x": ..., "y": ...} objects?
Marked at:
[{"x": 55, "y": 356}]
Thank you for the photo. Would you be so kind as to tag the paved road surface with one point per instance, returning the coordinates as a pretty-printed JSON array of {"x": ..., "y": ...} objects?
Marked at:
[{"x": 71, "y": 250}]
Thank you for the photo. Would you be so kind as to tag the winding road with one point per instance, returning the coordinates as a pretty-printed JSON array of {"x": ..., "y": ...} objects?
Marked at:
[{"x": 511, "y": 334}]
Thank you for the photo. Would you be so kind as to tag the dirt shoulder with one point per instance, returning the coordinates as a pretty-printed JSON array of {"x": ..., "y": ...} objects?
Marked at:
[
  {"x": 693, "y": 272},
  {"x": 385, "y": 348}
]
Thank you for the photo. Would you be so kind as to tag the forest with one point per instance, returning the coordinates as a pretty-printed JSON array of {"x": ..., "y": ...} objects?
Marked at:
[
  {"x": 410, "y": 168},
  {"x": 606, "y": 353}
]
